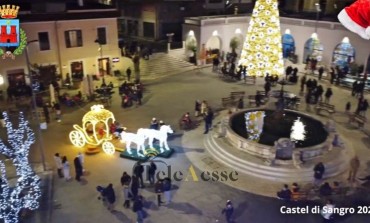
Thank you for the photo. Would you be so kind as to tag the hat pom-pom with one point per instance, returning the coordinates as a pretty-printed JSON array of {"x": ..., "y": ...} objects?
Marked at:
[{"x": 367, "y": 31}]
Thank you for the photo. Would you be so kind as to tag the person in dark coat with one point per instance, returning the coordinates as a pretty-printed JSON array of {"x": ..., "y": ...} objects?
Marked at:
[
  {"x": 267, "y": 87},
  {"x": 158, "y": 188},
  {"x": 321, "y": 72},
  {"x": 240, "y": 103},
  {"x": 325, "y": 189},
  {"x": 128, "y": 73},
  {"x": 328, "y": 94},
  {"x": 228, "y": 211},
  {"x": 167, "y": 189},
  {"x": 288, "y": 71},
  {"x": 208, "y": 120},
  {"x": 110, "y": 196},
  {"x": 138, "y": 209},
  {"x": 151, "y": 172},
  {"x": 285, "y": 194},
  {"x": 78, "y": 168},
  {"x": 319, "y": 171},
  {"x": 303, "y": 82},
  {"x": 134, "y": 186},
  {"x": 138, "y": 171},
  {"x": 197, "y": 108}
]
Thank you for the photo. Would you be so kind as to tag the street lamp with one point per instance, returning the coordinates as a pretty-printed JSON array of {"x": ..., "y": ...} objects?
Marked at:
[
  {"x": 41, "y": 142},
  {"x": 318, "y": 10}
]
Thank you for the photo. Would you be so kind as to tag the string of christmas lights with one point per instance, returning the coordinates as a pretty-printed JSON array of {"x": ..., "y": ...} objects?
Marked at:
[{"x": 26, "y": 192}]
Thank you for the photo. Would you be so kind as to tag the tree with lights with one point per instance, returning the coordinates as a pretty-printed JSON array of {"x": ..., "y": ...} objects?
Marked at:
[
  {"x": 262, "y": 49},
  {"x": 25, "y": 192},
  {"x": 298, "y": 132}
]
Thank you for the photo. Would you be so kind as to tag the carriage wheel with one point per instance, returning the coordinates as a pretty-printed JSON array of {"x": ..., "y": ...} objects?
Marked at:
[
  {"x": 77, "y": 138},
  {"x": 108, "y": 148}
]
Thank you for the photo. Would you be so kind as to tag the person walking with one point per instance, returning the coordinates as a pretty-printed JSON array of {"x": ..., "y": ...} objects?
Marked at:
[
  {"x": 58, "y": 111},
  {"x": 125, "y": 182},
  {"x": 267, "y": 88},
  {"x": 82, "y": 160},
  {"x": 66, "y": 169},
  {"x": 319, "y": 171},
  {"x": 228, "y": 211},
  {"x": 151, "y": 172},
  {"x": 208, "y": 120},
  {"x": 138, "y": 171},
  {"x": 78, "y": 168},
  {"x": 197, "y": 108},
  {"x": 167, "y": 190},
  {"x": 134, "y": 186},
  {"x": 354, "y": 165},
  {"x": 321, "y": 72},
  {"x": 128, "y": 73},
  {"x": 58, "y": 164},
  {"x": 328, "y": 94},
  {"x": 110, "y": 196},
  {"x": 158, "y": 188},
  {"x": 303, "y": 82},
  {"x": 138, "y": 209}
]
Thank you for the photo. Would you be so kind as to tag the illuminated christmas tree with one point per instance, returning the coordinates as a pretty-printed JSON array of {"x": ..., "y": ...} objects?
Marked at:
[
  {"x": 298, "y": 132},
  {"x": 262, "y": 49},
  {"x": 25, "y": 192}
]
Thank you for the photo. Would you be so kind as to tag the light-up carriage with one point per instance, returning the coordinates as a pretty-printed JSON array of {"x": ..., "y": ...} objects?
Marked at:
[{"x": 94, "y": 130}]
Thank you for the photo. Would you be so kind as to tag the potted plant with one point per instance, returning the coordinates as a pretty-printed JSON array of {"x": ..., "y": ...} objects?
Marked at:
[
  {"x": 234, "y": 44},
  {"x": 191, "y": 47}
]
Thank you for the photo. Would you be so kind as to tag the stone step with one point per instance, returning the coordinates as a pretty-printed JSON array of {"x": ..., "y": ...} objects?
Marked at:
[{"x": 245, "y": 163}]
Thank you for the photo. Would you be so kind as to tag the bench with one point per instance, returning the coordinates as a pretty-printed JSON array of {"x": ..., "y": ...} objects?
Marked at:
[
  {"x": 236, "y": 95},
  {"x": 325, "y": 107},
  {"x": 252, "y": 100},
  {"x": 250, "y": 80},
  {"x": 361, "y": 120},
  {"x": 228, "y": 102}
]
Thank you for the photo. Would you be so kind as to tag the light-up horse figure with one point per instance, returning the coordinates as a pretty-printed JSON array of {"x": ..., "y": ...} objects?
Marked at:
[
  {"x": 160, "y": 134},
  {"x": 139, "y": 140}
]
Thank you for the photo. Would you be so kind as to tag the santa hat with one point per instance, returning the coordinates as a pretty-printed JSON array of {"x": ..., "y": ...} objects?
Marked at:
[{"x": 356, "y": 18}]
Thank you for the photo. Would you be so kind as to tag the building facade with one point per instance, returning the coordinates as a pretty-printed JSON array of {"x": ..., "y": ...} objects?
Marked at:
[
  {"x": 217, "y": 32},
  {"x": 76, "y": 42}
]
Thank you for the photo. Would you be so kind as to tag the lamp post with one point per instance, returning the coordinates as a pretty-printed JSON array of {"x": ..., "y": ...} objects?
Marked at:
[
  {"x": 41, "y": 142},
  {"x": 318, "y": 10}
]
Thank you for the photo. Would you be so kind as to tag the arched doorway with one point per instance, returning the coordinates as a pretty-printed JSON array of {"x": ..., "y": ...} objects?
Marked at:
[
  {"x": 313, "y": 49},
  {"x": 288, "y": 45},
  {"x": 344, "y": 54},
  {"x": 213, "y": 44}
]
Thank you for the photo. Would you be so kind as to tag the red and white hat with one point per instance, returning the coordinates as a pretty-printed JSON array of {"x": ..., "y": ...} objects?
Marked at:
[{"x": 356, "y": 18}]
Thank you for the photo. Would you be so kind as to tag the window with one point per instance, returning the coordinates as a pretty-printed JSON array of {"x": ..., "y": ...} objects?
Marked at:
[
  {"x": 102, "y": 36},
  {"x": 148, "y": 29},
  {"x": 73, "y": 38},
  {"x": 44, "y": 41}
]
